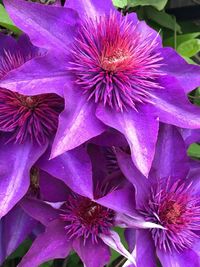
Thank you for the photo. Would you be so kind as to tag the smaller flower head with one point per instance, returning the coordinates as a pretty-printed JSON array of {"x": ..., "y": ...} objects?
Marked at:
[
  {"x": 85, "y": 218},
  {"x": 178, "y": 211}
]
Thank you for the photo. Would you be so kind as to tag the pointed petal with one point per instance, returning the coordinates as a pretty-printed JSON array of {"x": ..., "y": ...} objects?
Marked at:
[
  {"x": 140, "y": 130},
  {"x": 48, "y": 246},
  {"x": 77, "y": 123},
  {"x": 172, "y": 106},
  {"x": 16, "y": 161},
  {"x": 140, "y": 183},
  {"x": 188, "y": 75},
  {"x": 47, "y": 26},
  {"x": 186, "y": 258},
  {"x": 46, "y": 74},
  {"x": 92, "y": 255},
  {"x": 145, "y": 249},
  {"x": 121, "y": 200},
  {"x": 39, "y": 210},
  {"x": 15, "y": 228},
  {"x": 91, "y": 8},
  {"x": 113, "y": 240},
  {"x": 170, "y": 158},
  {"x": 73, "y": 168}
]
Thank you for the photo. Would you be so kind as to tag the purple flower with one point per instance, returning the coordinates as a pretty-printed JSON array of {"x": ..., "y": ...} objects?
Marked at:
[
  {"x": 169, "y": 197},
  {"x": 112, "y": 71},
  {"x": 27, "y": 123}
]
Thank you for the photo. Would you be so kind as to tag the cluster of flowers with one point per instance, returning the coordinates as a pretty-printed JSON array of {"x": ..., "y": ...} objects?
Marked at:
[{"x": 95, "y": 123}]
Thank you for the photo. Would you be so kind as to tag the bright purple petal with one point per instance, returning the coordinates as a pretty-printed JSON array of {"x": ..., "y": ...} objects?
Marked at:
[
  {"x": 140, "y": 183},
  {"x": 91, "y": 8},
  {"x": 48, "y": 246},
  {"x": 170, "y": 158},
  {"x": 140, "y": 130},
  {"x": 47, "y": 26},
  {"x": 73, "y": 168},
  {"x": 40, "y": 75},
  {"x": 15, "y": 164},
  {"x": 172, "y": 106},
  {"x": 145, "y": 250},
  {"x": 39, "y": 210},
  {"x": 186, "y": 258},
  {"x": 15, "y": 228},
  {"x": 77, "y": 123},
  {"x": 92, "y": 255},
  {"x": 174, "y": 65},
  {"x": 121, "y": 200}
]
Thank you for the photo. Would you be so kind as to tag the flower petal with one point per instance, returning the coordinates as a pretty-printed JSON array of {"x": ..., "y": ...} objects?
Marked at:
[
  {"x": 73, "y": 168},
  {"x": 40, "y": 75},
  {"x": 77, "y": 123},
  {"x": 91, "y": 8},
  {"x": 170, "y": 158},
  {"x": 47, "y": 26},
  {"x": 16, "y": 161},
  {"x": 49, "y": 245},
  {"x": 140, "y": 130},
  {"x": 186, "y": 258},
  {"x": 172, "y": 106},
  {"x": 92, "y": 255},
  {"x": 15, "y": 228},
  {"x": 188, "y": 75},
  {"x": 39, "y": 210},
  {"x": 113, "y": 240}
]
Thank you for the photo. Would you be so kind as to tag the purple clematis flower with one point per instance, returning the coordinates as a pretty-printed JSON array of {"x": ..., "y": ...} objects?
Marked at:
[
  {"x": 170, "y": 197},
  {"x": 81, "y": 223},
  {"x": 112, "y": 71},
  {"x": 27, "y": 124}
]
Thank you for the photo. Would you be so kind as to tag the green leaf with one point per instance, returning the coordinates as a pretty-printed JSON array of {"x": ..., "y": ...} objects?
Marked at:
[
  {"x": 120, "y": 3},
  {"x": 189, "y": 48},
  {"x": 158, "y": 4},
  {"x": 181, "y": 39},
  {"x": 47, "y": 264},
  {"x": 21, "y": 250},
  {"x": 6, "y": 22},
  {"x": 163, "y": 19},
  {"x": 194, "y": 151}
]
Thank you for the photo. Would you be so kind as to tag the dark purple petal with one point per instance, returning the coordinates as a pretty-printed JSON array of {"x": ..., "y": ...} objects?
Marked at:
[
  {"x": 172, "y": 106},
  {"x": 92, "y": 255},
  {"x": 145, "y": 250},
  {"x": 77, "y": 123},
  {"x": 170, "y": 158},
  {"x": 174, "y": 65},
  {"x": 16, "y": 161},
  {"x": 47, "y": 26},
  {"x": 52, "y": 189},
  {"x": 40, "y": 75},
  {"x": 73, "y": 168},
  {"x": 15, "y": 228},
  {"x": 39, "y": 210},
  {"x": 190, "y": 136},
  {"x": 186, "y": 258},
  {"x": 49, "y": 245},
  {"x": 140, "y": 130},
  {"x": 91, "y": 8}
]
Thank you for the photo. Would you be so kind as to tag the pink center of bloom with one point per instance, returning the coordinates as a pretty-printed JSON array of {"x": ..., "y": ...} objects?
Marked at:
[
  {"x": 33, "y": 118},
  {"x": 115, "y": 63},
  {"x": 178, "y": 210},
  {"x": 85, "y": 218}
]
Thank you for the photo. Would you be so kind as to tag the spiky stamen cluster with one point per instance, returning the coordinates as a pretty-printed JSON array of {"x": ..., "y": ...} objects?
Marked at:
[
  {"x": 114, "y": 64},
  {"x": 85, "y": 218},
  {"x": 178, "y": 210},
  {"x": 29, "y": 117}
]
